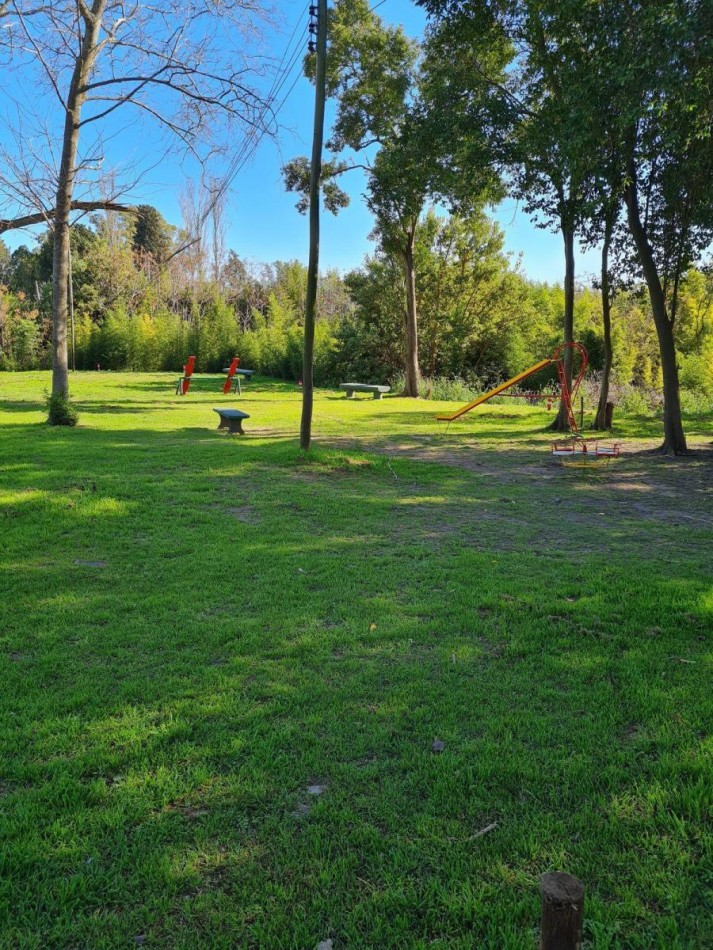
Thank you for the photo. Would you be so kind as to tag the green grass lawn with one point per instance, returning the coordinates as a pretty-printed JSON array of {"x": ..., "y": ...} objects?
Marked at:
[{"x": 224, "y": 666}]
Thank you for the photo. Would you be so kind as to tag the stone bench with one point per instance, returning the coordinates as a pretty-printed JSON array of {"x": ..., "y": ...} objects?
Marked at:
[
  {"x": 351, "y": 388},
  {"x": 232, "y": 420}
]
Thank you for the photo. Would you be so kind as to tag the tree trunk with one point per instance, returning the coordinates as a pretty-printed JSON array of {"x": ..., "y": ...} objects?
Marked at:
[
  {"x": 60, "y": 278},
  {"x": 674, "y": 442},
  {"x": 65, "y": 189},
  {"x": 561, "y": 420},
  {"x": 600, "y": 420},
  {"x": 411, "y": 367}
]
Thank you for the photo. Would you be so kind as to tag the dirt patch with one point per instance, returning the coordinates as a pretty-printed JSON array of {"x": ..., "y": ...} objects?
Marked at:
[
  {"x": 494, "y": 650},
  {"x": 625, "y": 486},
  {"x": 556, "y": 509},
  {"x": 314, "y": 790},
  {"x": 244, "y": 513}
]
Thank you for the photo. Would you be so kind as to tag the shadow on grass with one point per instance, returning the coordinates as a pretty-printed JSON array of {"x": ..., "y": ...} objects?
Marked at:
[
  {"x": 206, "y": 383},
  {"x": 166, "y": 712},
  {"x": 26, "y": 405}
]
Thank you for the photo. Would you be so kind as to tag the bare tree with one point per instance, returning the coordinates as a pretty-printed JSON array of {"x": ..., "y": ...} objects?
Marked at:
[
  {"x": 187, "y": 65},
  {"x": 195, "y": 204},
  {"x": 217, "y": 228}
]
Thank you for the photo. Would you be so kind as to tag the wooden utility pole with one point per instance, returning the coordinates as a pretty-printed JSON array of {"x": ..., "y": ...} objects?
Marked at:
[{"x": 314, "y": 192}]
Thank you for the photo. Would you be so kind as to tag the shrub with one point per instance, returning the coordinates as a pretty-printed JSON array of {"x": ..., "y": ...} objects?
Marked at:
[
  {"x": 638, "y": 400},
  {"x": 695, "y": 403},
  {"x": 60, "y": 411}
]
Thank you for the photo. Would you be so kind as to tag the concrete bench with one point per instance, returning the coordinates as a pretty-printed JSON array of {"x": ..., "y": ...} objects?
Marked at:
[
  {"x": 232, "y": 420},
  {"x": 351, "y": 388}
]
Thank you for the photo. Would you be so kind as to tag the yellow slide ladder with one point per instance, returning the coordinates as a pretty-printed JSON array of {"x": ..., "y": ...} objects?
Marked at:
[{"x": 496, "y": 391}]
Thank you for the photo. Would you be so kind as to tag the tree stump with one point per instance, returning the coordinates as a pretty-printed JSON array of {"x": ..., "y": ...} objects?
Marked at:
[{"x": 562, "y": 911}]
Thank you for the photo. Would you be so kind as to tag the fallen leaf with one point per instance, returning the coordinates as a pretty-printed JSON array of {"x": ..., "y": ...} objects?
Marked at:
[{"x": 372, "y": 626}]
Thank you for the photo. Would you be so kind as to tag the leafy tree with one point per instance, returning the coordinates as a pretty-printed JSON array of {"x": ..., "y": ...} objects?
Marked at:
[
  {"x": 471, "y": 306},
  {"x": 372, "y": 73},
  {"x": 611, "y": 100},
  {"x": 533, "y": 108},
  {"x": 664, "y": 89},
  {"x": 152, "y": 235},
  {"x": 644, "y": 97},
  {"x": 22, "y": 271},
  {"x": 4, "y": 262}
]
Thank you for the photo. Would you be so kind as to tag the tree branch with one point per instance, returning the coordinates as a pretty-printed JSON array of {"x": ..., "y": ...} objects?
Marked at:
[{"x": 41, "y": 217}]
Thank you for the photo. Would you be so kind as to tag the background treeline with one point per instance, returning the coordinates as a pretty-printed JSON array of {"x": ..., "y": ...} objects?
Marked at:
[{"x": 481, "y": 319}]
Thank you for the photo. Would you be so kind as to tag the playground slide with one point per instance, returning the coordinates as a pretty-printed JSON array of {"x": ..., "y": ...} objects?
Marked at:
[{"x": 495, "y": 392}]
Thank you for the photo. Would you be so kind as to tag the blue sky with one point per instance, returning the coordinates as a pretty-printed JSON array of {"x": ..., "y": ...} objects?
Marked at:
[{"x": 262, "y": 222}]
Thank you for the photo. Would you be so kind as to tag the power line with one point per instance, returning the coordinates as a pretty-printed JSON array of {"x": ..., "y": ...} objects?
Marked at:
[
  {"x": 277, "y": 84},
  {"x": 258, "y": 132},
  {"x": 261, "y": 127},
  {"x": 262, "y": 124}
]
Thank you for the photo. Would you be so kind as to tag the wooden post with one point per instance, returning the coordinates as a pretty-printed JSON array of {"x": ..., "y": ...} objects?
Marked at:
[
  {"x": 562, "y": 911},
  {"x": 313, "y": 264}
]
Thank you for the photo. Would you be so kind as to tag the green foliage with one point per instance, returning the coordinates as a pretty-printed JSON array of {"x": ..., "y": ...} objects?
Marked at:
[
  {"x": 22, "y": 271},
  {"x": 481, "y": 320},
  {"x": 60, "y": 411},
  {"x": 26, "y": 343},
  {"x": 5, "y": 262},
  {"x": 441, "y": 388},
  {"x": 152, "y": 235},
  {"x": 697, "y": 369}
]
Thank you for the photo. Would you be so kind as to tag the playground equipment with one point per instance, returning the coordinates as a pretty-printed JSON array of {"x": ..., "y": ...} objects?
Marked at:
[
  {"x": 232, "y": 379},
  {"x": 185, "y": 381},
  {"x": 558, "y": 360},
  {"x": 234, "y": 374},
  {"x": 531, "y": 397},
  {"x": 574, "y": 451},
  {"x": 232, "y": 369},
  {"x": 495, "y": 391},
  {"x": 584, "y": 453}
]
